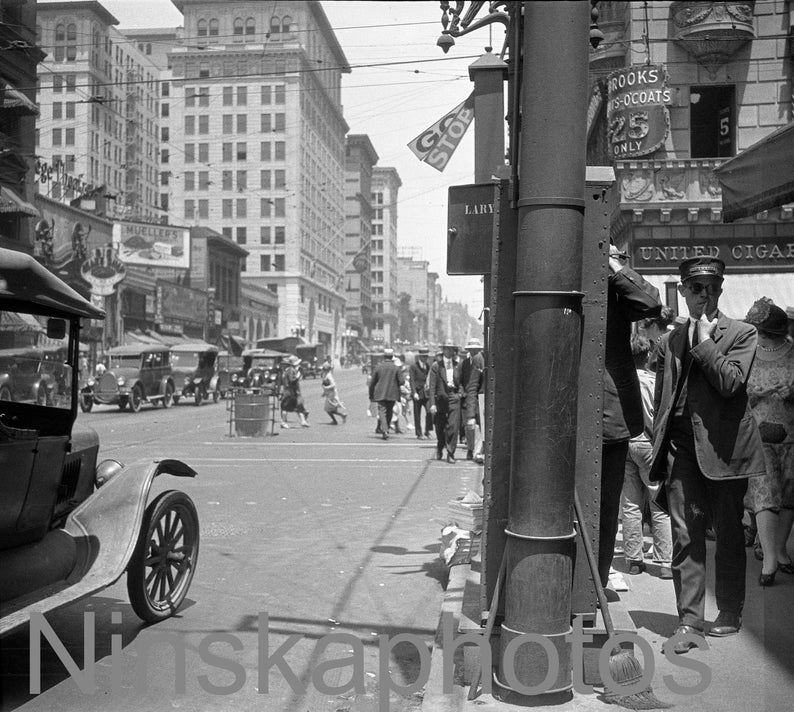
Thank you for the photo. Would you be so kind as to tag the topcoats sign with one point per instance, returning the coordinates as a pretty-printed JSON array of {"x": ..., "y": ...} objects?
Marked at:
[{"x": 637, "y": 113}]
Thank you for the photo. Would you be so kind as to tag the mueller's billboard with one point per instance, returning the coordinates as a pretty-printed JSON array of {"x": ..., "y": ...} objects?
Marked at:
[
  {"x": 152, "y": 245},
  {"x": 637, "y": 117}
]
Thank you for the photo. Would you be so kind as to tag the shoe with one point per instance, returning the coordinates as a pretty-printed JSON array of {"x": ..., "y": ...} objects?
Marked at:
[
  {"x": 758, "y": 551},
  {"x": 285, "y": 426},
  {"x": 749, "y": 535},
  {"x": 711, "y": 534},
  {"x": 304, "y": 425},
  {"x": 469, "y": 455},
  {"x": 766, "y": 580},
  {"x": 384, "y": 436},
  {"x": 787, "y": 568},
  {"x": 665, "y": 572},
  {"x": 636, "y": 567},
  {"x": 420, "y": 437},
  {"x": 439, "y": 455},
  {"x": 684, "y": 646},
  {"x": 450, "y": 458},
  {"x": 726, "y": 624}
]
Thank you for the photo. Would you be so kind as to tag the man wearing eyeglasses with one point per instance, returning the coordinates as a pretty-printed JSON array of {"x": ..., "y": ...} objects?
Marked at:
[{"x": 706, "y": 445}]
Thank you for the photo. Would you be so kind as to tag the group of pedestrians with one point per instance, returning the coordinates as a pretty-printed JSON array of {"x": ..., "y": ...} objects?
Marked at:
[{"x": 705, "y": 419}]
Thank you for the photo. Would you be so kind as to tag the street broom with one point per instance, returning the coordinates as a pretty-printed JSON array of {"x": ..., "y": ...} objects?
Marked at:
[{"x": 624, "y": 668}]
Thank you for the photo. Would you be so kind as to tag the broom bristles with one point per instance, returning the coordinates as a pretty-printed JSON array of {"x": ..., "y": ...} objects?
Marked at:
[{"x": 625, "y": 670}]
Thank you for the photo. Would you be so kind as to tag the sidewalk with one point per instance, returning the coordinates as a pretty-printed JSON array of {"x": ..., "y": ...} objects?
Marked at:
[{"x": 751, "y": 671}]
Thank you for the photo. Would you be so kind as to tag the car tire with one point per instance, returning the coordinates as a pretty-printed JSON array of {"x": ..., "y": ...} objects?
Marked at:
[
  {"x": 122, "y": 403},
  {"x": 176, "y": 399},
  {"x": 5, "y": 394},
  {"x": 198, "y": 394},
  {"x": 136, "y": 399},
  {"x": 161, "y": 568},
  {"x": 168, "y": 398},
  {"x": 215, "y": 396},
  {"x": 86, "y": 403}
]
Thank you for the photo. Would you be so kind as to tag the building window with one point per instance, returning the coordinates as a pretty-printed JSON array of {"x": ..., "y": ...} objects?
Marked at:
[
  {"x": 286, "y": 23},
  {"x": 164, "y": 202},
  {"x": 204, "y": 124},
  {"x": 279, "y": 235},
  {"x": 190, "y": 153},
  {"x": 242, "y": 96},
  {"x": 242, "y": 151},
  {"x": 280, "y": 207},
  {"x": 71, "y": 82},
  {"x": 165, "y": 89},
  {"x": 275, "y": 25},
  {"x": 56, "y": 137},
  {"x": 204, "y": 152},
  {"x": 201, "y": 28},
  {"x": 265, "y": 125},
  {"x": 203, "y": 96},
  {"x": 214, "y": 25},
  {"x": 204, "y": 70},
  {"x": 250, "y": 26},
  {"x": 238, "y": 30},
  {"x": 265, "y": 96},
  {"x": 204, "y": 208},
  {"x": 278, "y": 263},
  {"x": 280, "y": 94},
  {"x": 242, "y": 236},
  {"x": 281, "y": 123},
  {"x": 264, "y": 263},
  {"x": 264, "y": 235},
  {"x": 164, "y": 110},
  {"x": 228, "y": 96},
  {"x": 226, "y": 151},
  {"x": 57, "y": 84},
  {"x": 190, "y": 125},
  {"x": 226, "y": 232},
  {"x": 190, "y": 183},
  {"x": 204, "y": 180},
  {"x": 242, "y": 180},
  {"x": 712, "y": 121},
  {"x": 164, "y": 177},
  {"x": 164, "y": 135},
  {"x": 242, "y": 207},
  {"x": 264, "y": 180},
  {"x": 228, "y": 123},
  {"x": 264, "y": 151},
  {"x": 190, "y": 209},
  {"x": 226, "y": 208},
  {"x": 57, "y": 110},
  {"x": 242, "y": 123},
  {"x": 281, "y": 178},
  {"x": 264, "y": 207},
  {"x": 227, "y": 180}
]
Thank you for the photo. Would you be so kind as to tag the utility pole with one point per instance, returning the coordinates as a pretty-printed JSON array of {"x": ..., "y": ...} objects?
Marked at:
[{"x": 548, "y": 324}]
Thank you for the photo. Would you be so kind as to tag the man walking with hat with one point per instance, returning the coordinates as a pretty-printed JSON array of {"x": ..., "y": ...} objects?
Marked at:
[
  {"x": 471, "y": 382},
  {"x": 706, "y": 445},
  {"x": 384, "y": 388},
  {"x": 418, "y": 374},
  {"x": 444, "y": 399}
]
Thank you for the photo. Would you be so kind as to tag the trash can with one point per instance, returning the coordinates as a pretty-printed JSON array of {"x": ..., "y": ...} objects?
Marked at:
[{"x": 252, "y": 414}]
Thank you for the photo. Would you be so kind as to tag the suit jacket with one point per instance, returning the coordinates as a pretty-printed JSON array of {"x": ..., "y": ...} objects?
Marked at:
[
  {"x": 385, "y": 383},
  {"x": 471, "y": 384},
  {"x": 440, "y": 392},
  {"x": 419, "y": 373},
  {"x": 727, "y": 442},
  {"x": 629, "y": 298}
]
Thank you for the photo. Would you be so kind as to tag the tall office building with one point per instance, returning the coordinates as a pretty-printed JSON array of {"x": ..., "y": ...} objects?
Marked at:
[
  {"x": 98, "y": 97},
  {"x": 256, "y": 149},
  {"x": 385, "y": 186}
]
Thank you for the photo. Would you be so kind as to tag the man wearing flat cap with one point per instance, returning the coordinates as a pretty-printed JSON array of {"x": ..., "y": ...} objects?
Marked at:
[{"x": 705, "y": 446}]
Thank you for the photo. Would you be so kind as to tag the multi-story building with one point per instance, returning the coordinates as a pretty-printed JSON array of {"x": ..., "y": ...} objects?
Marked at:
[
  {"x": 413, "y": 283},
  {"x": 360, "y": 158},
  {"x": 383, "y": 254},
  {"x": 18, "y": 112},
  {"x": 98, "y": 95},
  {"x": 256, "y": 149},
  {"x": 678, "y": 88}
]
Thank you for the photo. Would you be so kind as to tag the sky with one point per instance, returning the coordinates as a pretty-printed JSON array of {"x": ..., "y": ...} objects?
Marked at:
[{"x": 392, "y": 104}]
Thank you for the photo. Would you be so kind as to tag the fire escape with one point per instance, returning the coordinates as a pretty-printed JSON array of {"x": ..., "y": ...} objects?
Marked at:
[{"x": 133, "y": 183}]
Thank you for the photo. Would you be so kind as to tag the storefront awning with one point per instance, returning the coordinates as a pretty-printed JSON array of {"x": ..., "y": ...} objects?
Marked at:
[
  {"x": 10, "y": 202},
  {"x": 11, "y": 99},
  {"x": 759, "y": 178}
]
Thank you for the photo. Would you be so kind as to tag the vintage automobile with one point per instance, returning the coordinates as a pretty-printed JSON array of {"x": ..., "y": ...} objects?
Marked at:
[
  {"x": 262, "y": 368},
  {"x": 194, "y": 370},
  {"x": 70, "y": 525},
  {"x": 24, "y": 376},
  {"x": 230, "y": 372},
  {"x": 136, "y": 374}
]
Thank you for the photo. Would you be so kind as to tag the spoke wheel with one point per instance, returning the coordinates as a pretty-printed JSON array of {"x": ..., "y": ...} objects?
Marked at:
[
  {"x": 135, "y": 399},
  {"x": 162, "y": 565},
  {"x": 86, "y": 403},
  {"x": 168, "y": 398}
]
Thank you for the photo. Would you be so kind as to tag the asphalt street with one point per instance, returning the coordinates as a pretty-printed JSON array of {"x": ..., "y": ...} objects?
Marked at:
[{"x": 316, "y": 531}]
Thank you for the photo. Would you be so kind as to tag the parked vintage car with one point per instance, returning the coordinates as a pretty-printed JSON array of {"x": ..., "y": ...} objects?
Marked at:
[
  {"x": 25, "y": 378},
  {"x": 136, "y": 374},
  {"x": 70, "y": 525},
  {"x": 262, "y": 368},
  {"x": 230, "y": 372},
  {"x": 194, "y": 370}
]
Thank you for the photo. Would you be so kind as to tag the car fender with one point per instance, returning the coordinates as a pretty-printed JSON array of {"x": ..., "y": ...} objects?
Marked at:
[
  {"x": 164, "y": 381},
  {"x": 214, "y": 383},
  {"x": 106, "y": 528}
]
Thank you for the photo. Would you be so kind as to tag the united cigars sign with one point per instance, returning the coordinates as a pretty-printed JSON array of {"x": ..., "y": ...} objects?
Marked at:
[{"x": 637, "y": 114}]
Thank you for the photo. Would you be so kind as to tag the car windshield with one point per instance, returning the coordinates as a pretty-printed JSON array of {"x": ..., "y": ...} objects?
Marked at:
[
  {"x": 33, "y": 367},
  {"x": 263, "y": 362},
  {"x": 185, "y": 359},
  {"x": 125, "y": 361}
]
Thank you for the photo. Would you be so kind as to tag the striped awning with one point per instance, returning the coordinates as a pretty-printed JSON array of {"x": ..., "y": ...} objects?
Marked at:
[
  {"x": 11, "y": 99},
  {"x": 10, "y": 202}
]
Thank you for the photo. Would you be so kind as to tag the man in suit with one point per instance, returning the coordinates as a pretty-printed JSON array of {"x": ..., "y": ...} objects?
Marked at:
[
  {"x": 384, "y": 388},
  {"x": 706, "y": 445},
  {"x": 418, "y": 374},
  {"x": 471, "y": 383},
  {"x": 444, "y": 400},
  {"x": 629, "y": 299}
]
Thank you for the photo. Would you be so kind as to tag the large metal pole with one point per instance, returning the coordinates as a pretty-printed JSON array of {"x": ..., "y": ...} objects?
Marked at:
[{"x": 548, "y": 323}]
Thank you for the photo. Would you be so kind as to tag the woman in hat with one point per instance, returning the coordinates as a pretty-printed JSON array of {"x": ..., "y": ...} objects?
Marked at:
[
  {"x": 291, "y": 398},
  {"x": 333, "y": 406},
  {"x": 771, "y": 392}
]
